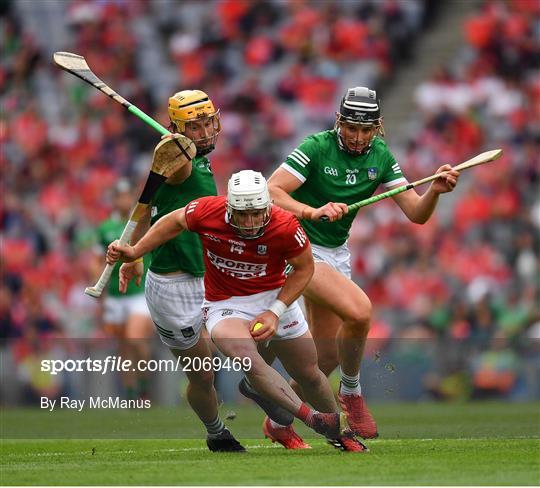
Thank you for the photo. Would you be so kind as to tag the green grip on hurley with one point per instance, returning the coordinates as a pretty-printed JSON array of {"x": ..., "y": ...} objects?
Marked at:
[{"x": 149, "y": 120}]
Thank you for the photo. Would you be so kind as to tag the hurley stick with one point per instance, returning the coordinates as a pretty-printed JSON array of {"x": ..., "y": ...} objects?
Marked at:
[
  {"x": 482, "y": 158},
  {"x": 169, "y": 156}
]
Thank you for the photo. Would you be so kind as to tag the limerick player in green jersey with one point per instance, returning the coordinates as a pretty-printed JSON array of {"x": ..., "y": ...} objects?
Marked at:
[
  {"x": 320, "y": 178},
  {"x": 125, "y": 315},
  {"x": 174, "y": 284}
]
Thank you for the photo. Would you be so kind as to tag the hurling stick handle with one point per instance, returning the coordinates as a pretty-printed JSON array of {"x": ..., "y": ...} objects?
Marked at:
[
  {"x": 482, "y": 158},
  {"x": 155, "y": 125},
  {"x": 395, "y": 191},
  {"x": 150, "y": 187},
  {"x": 389, "y": 193},
  {"x": 77, "y": 66},
  {"x": 149, "y": 120},
  {"x": 485, "y": 157},
  {"x": 96, "y": 290}
]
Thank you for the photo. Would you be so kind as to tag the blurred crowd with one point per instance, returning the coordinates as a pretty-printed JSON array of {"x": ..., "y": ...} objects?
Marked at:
[
  {"x": 472, "y": 273},
  {"x": 276, "y": 69}
]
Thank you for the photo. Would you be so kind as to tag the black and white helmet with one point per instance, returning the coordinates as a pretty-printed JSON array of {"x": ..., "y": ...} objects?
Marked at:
[{"x": 360, "y": 106}]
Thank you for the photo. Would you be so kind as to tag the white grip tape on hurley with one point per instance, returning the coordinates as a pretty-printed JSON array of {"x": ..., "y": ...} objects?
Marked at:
[{"x": 107, "y": 272}]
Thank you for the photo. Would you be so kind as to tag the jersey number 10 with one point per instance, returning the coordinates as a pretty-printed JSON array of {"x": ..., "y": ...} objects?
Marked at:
[{"x": 351, "y": 179}]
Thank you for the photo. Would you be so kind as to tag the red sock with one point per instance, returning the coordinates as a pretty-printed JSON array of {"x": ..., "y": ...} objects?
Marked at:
[{"x": 305, "y": 414}]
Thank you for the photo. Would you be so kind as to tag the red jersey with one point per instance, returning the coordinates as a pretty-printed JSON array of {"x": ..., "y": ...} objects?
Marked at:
[{"x": 237, "y": 266}]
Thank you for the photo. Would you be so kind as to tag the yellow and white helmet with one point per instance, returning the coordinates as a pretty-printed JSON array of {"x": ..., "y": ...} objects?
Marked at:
[{"x": 194, "y": 112}]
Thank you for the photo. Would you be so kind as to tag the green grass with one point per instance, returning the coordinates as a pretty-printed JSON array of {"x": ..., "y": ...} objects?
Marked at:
[{"x": 425, "y": 444}]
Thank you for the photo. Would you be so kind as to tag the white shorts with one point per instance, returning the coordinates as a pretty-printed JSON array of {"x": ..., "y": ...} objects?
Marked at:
[
  {"x": 292, "y": 323},
  {"x": 116, "y": 310},
  {"x": 337, "y": 257},
  {"x": 175, "y": 303}
]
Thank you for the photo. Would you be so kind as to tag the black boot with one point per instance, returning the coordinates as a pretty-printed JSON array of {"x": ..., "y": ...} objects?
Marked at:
[{"x": 224, "y": 442}]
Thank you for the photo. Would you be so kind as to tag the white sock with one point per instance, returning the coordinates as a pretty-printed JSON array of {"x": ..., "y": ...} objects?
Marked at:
[
  {"x": 350, "y": 385},
  {"x": 215, "y": 427}
]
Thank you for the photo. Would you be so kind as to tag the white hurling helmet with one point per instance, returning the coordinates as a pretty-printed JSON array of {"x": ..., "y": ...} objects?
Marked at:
[{"x": 248, "y": 191}]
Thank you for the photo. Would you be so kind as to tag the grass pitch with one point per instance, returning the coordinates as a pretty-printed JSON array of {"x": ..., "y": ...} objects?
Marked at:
[{"x": 426, "y": 444}]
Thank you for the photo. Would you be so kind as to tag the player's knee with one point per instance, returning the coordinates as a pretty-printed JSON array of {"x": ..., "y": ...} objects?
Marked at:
[{"x": 359, "y": 318}]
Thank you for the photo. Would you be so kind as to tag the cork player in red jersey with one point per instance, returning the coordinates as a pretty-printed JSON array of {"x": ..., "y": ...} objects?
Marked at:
[{"x": 247, "y": 242}]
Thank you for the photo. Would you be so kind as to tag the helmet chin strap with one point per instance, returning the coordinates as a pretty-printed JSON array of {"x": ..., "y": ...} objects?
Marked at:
[
  {"x": 258, "y": 234},
  {"x": 241, "y": 230},
  {"x": 229, "y": 218},
  {"x": 201, "y": 151},
  {"x": 206, "y": 150}
]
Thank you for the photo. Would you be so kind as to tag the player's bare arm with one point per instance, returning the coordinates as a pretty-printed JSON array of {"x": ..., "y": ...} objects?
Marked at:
[
  {"x": 165, "y": 229},
  {"x": 293, "y": 287},
  {"x": 297, "y": 281},
  {"x": 419, "y": 209},
  {"x": 282, "y": 183}
]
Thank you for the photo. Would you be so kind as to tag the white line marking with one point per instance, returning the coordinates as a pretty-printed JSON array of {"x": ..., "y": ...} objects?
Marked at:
[
  {"x": 132, "y": 451},
  {"x": 247, "y": 446},
  {"x": 269, "y": 446}
]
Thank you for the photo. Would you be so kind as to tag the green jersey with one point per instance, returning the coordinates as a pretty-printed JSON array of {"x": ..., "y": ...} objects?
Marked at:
[
  {"x": 184, "y": 252},
  {"x": 329, "y": 174},
  {"x": 107, "y": 232}
]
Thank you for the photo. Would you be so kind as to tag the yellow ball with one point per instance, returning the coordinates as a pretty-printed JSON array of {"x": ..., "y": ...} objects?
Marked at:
[{"x": 257, "y": 326}]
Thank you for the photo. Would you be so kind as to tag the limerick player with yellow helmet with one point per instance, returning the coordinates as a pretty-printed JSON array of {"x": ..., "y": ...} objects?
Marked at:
[
  {"x": 174, "y": 283},
  {"x": 319, "y": 179}
]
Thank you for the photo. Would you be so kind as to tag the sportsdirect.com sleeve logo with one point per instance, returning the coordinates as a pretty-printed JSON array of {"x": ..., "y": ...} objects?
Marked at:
[{"x": 239, "y": 269}]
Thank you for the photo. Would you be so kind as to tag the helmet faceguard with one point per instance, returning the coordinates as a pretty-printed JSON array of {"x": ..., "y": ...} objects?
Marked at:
[
  {"x": 192, "y": 110},
  {"x": 359, "y": 107},
  {"x": 248, "y": 204}
]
